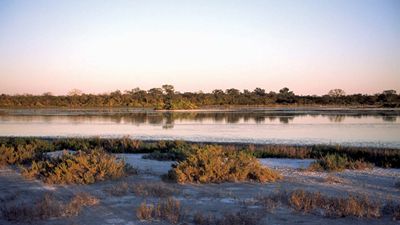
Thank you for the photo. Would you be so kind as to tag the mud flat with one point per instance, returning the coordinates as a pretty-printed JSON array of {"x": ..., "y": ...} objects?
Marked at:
[{"x": 118, "y": 200}]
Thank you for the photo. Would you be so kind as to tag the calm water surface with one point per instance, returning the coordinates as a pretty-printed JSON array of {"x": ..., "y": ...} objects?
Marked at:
[{"x": 349, "y": 127}]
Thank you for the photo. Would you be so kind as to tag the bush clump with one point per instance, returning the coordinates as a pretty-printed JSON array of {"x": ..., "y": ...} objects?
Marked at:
[
  {"x": 82, "y": 167},
  {"x": 18, "y": 154},
  {"x": 212, "y": 164},
  {"x": 336, "y": 162}
]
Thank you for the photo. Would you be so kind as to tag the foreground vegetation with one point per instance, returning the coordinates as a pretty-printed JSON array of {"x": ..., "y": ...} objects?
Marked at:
[
  {"x": 147, "y": 198},
  {"x": 168, "y": 210},
  {"x": 212, "y": 164},
  {"x": 46, "y": 207},
  {"x": 299, "y": 200},
  {"x": 335, "y": 162},
  {"x": 77, "y": 168},
  {"x": 167, "y": 98},
  {"x": 359, "y": 206},
  {"x": 25, "y": 150}
]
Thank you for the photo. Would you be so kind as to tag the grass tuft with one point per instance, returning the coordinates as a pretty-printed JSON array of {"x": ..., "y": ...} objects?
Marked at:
[{"x": 168, "y": 210}]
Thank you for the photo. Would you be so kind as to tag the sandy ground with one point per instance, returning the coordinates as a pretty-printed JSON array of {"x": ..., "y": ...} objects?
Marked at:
[{"x": 211, "y": 198}]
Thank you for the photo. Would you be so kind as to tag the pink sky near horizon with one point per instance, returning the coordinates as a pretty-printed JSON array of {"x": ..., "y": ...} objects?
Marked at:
[{"x": 98, "y": 46}]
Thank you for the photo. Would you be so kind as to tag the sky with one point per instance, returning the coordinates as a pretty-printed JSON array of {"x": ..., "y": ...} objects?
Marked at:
[{"x": 101, "y": 46}]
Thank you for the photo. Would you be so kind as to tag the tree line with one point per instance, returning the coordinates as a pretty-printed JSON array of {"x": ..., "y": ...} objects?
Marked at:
[{"x": 168, "y": 98}]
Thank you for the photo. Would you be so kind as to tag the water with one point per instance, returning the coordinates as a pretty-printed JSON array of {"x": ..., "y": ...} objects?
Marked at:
[{"x": 348, "y": 127}]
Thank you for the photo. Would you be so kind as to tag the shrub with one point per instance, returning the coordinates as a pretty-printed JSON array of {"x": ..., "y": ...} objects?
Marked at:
[
  {"x": 335, "y": 162},
  {"x": 168, "y": 210},
  {"x": 77, "y": 168},
  {"x": 10, "y": 155},
  {"x": 213, "y": 164}
]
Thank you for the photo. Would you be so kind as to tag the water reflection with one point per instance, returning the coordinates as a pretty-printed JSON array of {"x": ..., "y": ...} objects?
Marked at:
[
  {"x": 167, "y": 120},
  {"x": 257, "y": 126},
  {"x": 336, "y": 118}
]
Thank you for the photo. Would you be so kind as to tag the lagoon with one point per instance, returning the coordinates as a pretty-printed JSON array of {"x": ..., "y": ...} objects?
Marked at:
[{"x": 356, "y": 127}]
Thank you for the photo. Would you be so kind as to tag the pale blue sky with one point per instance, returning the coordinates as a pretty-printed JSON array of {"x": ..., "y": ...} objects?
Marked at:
[{"x": 100, "y": 46}]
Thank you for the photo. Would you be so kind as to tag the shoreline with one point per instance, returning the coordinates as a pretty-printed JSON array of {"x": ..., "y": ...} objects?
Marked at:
[
  {"x": 216, "y": 108},
  {"x": 127, "y": 110},
  {"x": 192, "y": 142}
]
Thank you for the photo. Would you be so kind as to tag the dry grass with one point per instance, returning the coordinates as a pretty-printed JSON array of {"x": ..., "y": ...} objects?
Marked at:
[
  {"x": 77, "y": 168},
  {"x": 119, "y": 189},
  {"x": 46, "y": 207},
  {"x": 78, "y": 201},
  {"x": 145, "y": 189},
  {"x": 335, "y": 162},
  {"x": 212, "y": 164},
  {"x": 316, "y": 203},
  {"x": 270, "y": 203},
  {"x": 168, "y": 210},
  {"x": 154, "y": 189},
  {"x": 331, "y": 179}
]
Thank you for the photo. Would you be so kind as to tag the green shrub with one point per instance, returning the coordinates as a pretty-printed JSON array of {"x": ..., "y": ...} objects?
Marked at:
[
  {"x": 77, "y": 168},
  {"x": 335, "y": 162},
  {"x": 212, "y": 164}
]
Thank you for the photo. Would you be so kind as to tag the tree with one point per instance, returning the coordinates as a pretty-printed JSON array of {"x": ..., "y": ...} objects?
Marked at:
[
  {"x": 335, "y": 93},
  {"x": 389, "y": 92},
  {"x": 168, "y": 89},
  {"x": 75, "y": 92},
  {"x": 169, "y": 95},
  {"x": 232, "y": 92},
  {"x": 259, "y": 92},
  {"x": 285, "y": 96}
]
